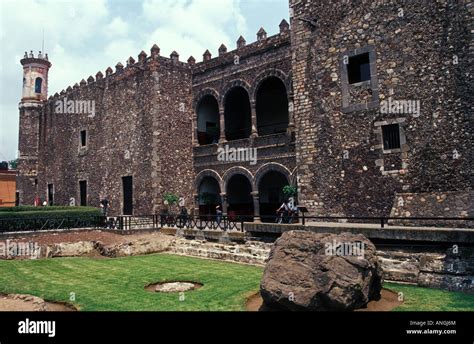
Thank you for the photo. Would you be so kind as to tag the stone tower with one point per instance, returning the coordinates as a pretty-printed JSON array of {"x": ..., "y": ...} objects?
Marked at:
[{"x": 35, "y": 94}]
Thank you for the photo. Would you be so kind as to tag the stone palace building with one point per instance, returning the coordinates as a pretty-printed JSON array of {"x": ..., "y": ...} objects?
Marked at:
[{"x": 364, "y": 105}]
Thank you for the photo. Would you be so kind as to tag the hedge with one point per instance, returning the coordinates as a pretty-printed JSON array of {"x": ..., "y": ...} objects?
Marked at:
[
  {"x": 47, "y": 208},
  {"x": 40, "y": 218}
]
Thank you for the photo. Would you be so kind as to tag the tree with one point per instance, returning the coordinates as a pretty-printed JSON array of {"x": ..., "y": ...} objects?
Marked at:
[
  {"x": 170, "y": 199},
  {"x": 13, "y": 164},
  {"x": 290, "y": 191}
]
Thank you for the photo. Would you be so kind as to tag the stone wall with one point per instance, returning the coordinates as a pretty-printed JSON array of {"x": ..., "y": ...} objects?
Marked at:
[
  {"x": 27, "y": 170},
  {"x": 435, "y": 268},
  {"x": 435, "y": 204},
  {"x": 246, "y": 66},
  {"x": 418, "y": 51},
  {"x": 142, "y": 114}
]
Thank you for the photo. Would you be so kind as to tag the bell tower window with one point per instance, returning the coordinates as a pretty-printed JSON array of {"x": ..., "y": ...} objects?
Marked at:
[{"x": 38, "y": 83}]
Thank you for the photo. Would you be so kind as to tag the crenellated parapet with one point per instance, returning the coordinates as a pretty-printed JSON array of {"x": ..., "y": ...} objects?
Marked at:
[
  {"x": 145, "y": 61},
  {"x": 122, "y": 71},
  {"x": 243, "y": 50}
]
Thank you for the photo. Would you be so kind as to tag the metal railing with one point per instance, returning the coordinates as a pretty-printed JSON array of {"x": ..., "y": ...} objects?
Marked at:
[
  {"x": 207, "y": 222},
  {"x": 158, "y": 221}
]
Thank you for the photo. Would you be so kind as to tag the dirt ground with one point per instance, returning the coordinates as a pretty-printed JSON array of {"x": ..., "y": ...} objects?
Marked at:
[
  {"x": 387, "y": 302},
  {"x": 8, "y": 303},
  {"x": 48, "y": 238}
]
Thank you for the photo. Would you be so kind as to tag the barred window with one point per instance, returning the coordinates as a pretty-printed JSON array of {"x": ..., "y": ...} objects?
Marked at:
[{"x": 391, "y": 136}]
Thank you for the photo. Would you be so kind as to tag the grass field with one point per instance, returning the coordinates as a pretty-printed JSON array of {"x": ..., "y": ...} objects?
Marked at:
[{"x": 118, "y": 284}]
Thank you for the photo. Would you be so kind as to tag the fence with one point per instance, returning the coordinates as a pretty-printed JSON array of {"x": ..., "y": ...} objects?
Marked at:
[{"x": 200, "y": 222}]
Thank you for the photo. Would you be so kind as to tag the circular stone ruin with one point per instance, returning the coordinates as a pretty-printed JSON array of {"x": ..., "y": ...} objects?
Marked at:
[{"x": 173, "y": 286}]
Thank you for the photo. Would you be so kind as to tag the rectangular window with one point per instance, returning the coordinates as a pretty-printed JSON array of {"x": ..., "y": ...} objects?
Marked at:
[
  {"x": 391, "y": 136},
  {"x": 358, "y": 68},
  {"x": 83, "y": 138},
  {"x": 83, "y": 192},
  {"x": 17, "y": 199}
]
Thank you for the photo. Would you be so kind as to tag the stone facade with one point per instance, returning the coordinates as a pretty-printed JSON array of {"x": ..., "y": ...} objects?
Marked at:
[
  {"x": 435, "y": 204},
  {"x": 417, "y": 50},
  {"x": 339, "y": 70},
  {"x": 136, "y": 130}
]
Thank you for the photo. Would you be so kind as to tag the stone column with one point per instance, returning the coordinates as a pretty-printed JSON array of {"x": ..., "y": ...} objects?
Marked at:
[
  {"x": 256, "y": 205},
  {"x": 224, "y": 203},
  {"x": 222, "y": 138},
  {"x": 253, "y": 112},
  {"x": 195, "y": 130},
  {"x": 196, "y": 204},
  {"x": 291, "y": 118}
]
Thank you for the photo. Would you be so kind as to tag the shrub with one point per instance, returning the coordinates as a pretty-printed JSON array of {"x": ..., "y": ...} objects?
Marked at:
[{"x": 28, "y": 218}]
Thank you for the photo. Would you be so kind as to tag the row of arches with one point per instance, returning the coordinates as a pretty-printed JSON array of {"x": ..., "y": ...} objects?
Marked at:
[
  {"x": 242, "y": 110},
  {"x": 241, "y": 194}
]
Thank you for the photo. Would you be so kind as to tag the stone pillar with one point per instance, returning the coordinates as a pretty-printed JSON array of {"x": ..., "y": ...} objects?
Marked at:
[
  {"x": 256, "y": 205},
  {"x": 291, "y": 117},
  {"x": 224, "y": 203},
  {"x": 222, "y": 125},
  {"x": 195, "y": 130},
  {"x": 196, "y": 204},
  {"x": 253, "y": 111}
]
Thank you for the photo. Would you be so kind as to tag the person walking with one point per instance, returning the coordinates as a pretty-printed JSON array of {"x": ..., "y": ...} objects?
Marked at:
[
  {"x": 218, "y": 215},
  {"x": 104, "y": 205},
  {"x": 282, "y": 212},
  {"x": 183, "y": 214}
]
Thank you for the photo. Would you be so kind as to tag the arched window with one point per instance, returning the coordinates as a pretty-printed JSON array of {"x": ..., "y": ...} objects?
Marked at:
[
  {"x": 208, "y": 120},
  {"x": 238, "y": 119},
  {"x": 272, "y": 107},
  {"x": 38, "y": 83}
]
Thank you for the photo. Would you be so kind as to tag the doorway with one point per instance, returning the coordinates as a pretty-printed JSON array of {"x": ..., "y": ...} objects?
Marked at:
[{"x": 127, "y": 188}]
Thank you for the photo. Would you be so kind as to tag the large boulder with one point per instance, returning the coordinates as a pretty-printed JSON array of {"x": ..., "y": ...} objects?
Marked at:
[{"x": 320, "y": 272}]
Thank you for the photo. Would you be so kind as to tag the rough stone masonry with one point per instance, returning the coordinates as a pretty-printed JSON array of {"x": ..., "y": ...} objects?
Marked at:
[{"x": 333, "y": 71}]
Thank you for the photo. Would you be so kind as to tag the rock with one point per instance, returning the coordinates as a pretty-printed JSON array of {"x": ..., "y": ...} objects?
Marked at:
[
  {"x": 310, "y": 271},
  {"x": 174, "y": 287},
  {"x": 138, "y": 247},
  {"x": 76, "y": 249}
]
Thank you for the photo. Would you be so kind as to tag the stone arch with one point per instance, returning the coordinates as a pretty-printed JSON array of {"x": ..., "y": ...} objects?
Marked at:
[
  {"x": 277, "y": 73},
  {"x": 271, "y": 166},
  {"x": 207, "y": 173},
  {"x": 203, "y": 93},
  {"x": 206, "y": 118},
  {"x": 237, "y": 110},
  {"x": 237, "y": 170},
  {"x": 230, "y": 85}
]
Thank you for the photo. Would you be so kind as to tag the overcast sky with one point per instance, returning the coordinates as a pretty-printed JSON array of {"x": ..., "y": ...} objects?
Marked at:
[{"x": 83, "y": 37}]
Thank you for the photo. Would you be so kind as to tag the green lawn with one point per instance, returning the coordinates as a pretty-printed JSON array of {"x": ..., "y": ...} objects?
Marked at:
[
  {"x": 425, "y": 299},
  {"x": 118, "y": 284}
]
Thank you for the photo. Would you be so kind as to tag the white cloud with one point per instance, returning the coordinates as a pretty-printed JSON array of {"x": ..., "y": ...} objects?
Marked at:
[
  {"x": 84, "y": 37},
  {"x": 117, "y": 27},
  {"x": 192, "y": 27}
]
